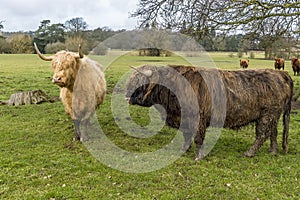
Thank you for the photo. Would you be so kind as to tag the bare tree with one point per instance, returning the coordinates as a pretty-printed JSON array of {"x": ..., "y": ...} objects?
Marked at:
[
  {"x": 199, "y": 17},
  {"x": 76, "y": 25},
  {"x": 21, "y": 43}
]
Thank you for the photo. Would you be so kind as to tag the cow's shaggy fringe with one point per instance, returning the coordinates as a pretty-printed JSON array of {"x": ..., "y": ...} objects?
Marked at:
[{"x": 251, "y": 96}]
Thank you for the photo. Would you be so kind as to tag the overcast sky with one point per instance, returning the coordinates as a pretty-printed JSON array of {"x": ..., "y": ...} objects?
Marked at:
[{"x": 26, "y": 15}]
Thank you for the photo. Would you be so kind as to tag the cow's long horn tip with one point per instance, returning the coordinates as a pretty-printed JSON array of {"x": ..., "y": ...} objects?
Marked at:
[{"x": 80, "y": 51}]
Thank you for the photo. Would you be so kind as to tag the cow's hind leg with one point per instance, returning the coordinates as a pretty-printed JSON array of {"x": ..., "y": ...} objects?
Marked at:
[
  {"x": 273, "y": 138},
  {"x": 263, "y": 131}
]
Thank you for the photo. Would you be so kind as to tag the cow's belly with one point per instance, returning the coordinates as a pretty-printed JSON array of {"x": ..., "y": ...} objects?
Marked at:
[
  {"x": 235, "y": 122},
  {"x": 244, "y": 115}
]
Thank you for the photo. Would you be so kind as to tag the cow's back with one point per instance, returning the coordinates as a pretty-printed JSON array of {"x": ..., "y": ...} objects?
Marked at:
[
  {"x": 251, "y": 93},
  {"x": 89, "y": 89},
  {"x": 247, "y": 93}
]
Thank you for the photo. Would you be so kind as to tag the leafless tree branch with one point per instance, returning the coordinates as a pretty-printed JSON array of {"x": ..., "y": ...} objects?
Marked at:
[{"x": 199, "y": 17}]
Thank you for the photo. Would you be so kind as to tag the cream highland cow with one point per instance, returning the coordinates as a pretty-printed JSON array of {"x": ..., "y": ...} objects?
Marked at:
[{"x": 82, "y": 86}]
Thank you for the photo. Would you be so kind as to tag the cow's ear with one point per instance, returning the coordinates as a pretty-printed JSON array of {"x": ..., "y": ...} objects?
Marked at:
[
  {"x": 147, "y": 73},
  {"x": 80, "y": 53},
  {"x": 149, "y": 90}
]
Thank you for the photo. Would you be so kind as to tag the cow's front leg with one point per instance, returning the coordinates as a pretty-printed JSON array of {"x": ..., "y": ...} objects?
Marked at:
[
  {"x": 84, "y": 132},
  {"x": 81, "y": 130},
  {"x": 188, "y": 138},
  {"x": 199, "y": 138}
]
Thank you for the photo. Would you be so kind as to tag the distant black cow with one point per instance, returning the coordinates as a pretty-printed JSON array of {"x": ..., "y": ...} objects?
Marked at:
[{"x": 252, "y": 96}]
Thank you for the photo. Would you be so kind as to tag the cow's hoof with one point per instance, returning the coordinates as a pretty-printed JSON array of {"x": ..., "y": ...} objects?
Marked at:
[
  {"x": 200, "y": 156},
  {"x": 284, "y": 151},
  {"x": 198, "y": 159},
  {"x": 84, "y": 139},
  {"x": 249, "y": 154},
  {"x": 273, "y": 151},
  {"x": 186, "y": 147},
  {"x": 76, "y": 139}
]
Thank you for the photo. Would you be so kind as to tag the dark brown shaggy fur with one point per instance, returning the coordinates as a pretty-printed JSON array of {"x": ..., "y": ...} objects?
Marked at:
[
  {"x": 252, "y": 96},
  {"x": 279, "y": 63},
  {"x": 296, "y": 66}
]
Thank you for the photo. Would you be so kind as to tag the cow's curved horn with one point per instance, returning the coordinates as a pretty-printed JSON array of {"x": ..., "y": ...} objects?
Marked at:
[
  {"x": 46, "y": 58},
  {"x": 147, "y": 73},
  {"x": 80, "y": 52}
]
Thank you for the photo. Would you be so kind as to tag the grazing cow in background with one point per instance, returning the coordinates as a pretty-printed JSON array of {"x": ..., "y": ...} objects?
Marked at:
[
  {"x": 82, "y": 86},
  {"x": 244, "y": 63},
  {"x": 252, "y": 96},
  {"x": 279, "y": 63},
  {"x": 296, "y": 66}
]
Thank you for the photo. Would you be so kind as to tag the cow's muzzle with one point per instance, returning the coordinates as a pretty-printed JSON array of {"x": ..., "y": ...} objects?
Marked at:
[
  {"x": 127, "y": 99},
  {"x": 59, "y": 82},
  {"x": 56, "y": 80}
]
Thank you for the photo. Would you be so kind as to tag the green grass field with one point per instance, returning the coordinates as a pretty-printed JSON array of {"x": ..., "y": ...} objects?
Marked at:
[{"x": 39, "y": 160}]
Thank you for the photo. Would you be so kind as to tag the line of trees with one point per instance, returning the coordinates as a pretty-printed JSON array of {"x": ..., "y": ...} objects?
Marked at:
[
  {"x": 233, "y": 25},
  {"x": 53, "y": 37}
]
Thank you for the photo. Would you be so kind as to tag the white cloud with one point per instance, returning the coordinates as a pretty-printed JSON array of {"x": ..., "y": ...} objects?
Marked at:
[{"x": 19, "y": 15}]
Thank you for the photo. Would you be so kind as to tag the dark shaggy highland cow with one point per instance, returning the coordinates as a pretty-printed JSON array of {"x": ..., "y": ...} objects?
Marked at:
[{"x": 250, "y": 96}]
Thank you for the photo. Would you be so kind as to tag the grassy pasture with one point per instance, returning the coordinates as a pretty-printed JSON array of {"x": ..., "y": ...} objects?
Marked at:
[{"x": 39, "y": 160}]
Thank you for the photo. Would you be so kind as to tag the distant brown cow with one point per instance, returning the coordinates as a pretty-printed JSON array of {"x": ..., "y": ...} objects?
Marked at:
[
  {"x": 279, "y": 63},
  {"x": 244, "y": 63},
  {"x": 296, "y": 66},
  {"x": 251, "y": 96}
]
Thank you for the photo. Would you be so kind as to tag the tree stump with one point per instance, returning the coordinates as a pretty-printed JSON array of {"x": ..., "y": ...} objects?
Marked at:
[{"x": 25, "y": 98}]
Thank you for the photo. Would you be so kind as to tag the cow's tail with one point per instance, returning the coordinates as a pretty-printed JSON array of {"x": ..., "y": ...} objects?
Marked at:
[{"x": 286, "y": 119}]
